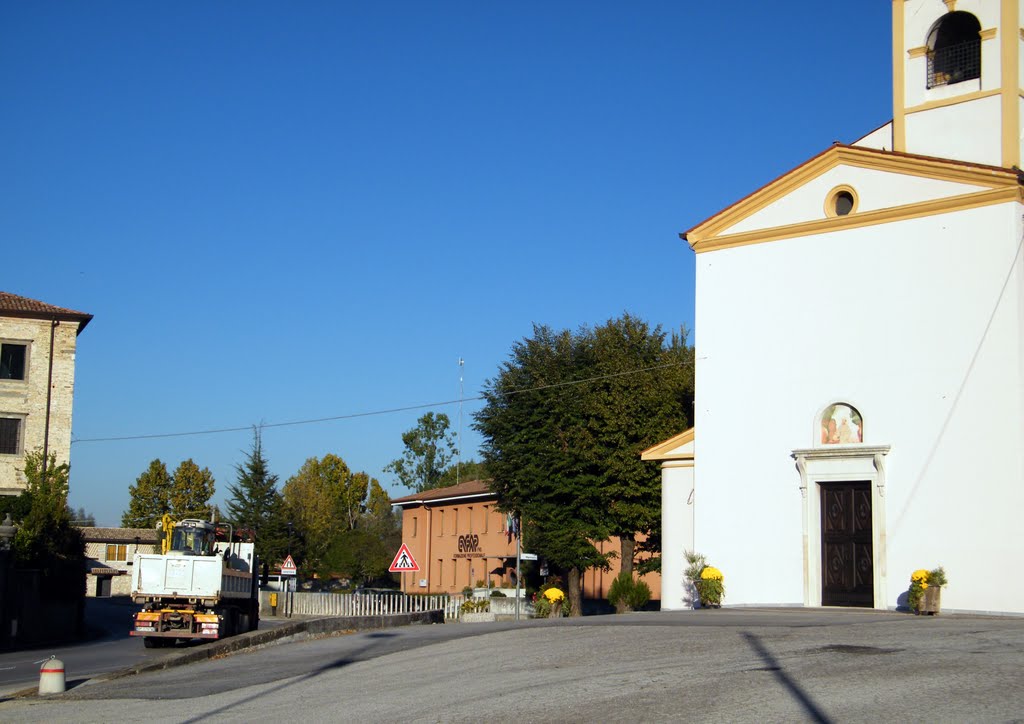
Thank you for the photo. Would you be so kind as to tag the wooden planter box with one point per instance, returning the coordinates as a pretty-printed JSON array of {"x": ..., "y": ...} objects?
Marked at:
[{"x": 931, "y": 601}]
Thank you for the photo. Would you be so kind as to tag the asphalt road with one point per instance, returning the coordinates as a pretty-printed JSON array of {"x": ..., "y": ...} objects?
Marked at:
[
  {"x": 108, "y": 648},
  {"x": 727, "y": 665}
]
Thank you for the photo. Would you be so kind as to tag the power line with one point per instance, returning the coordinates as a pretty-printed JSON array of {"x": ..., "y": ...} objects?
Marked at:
[{"x": 374, "y": 413}]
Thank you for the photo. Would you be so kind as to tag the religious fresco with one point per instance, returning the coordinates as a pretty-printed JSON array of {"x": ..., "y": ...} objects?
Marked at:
[{"x": 841, "y": 424}]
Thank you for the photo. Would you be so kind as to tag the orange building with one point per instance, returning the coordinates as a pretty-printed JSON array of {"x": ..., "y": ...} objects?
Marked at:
[{"x": 459, "y": 538}]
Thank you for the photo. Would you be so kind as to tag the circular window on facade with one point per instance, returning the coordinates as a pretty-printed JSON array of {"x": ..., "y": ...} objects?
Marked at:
[{"x": 842, "y": 201}]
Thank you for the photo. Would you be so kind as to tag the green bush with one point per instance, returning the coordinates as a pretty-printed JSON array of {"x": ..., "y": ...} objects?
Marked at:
[
  {"x": 476, "y": 605},
  {"x": 627, "y": 594},
  {"x": 497, "y": 594}
]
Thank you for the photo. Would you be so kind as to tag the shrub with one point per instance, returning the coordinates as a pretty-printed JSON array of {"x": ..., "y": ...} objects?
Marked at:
[
  {"x": 627, "y": 594},
  {"x": 708, "y": 580},
  {"x": 497, "y": 594},
  {"x": 478, "y": 605}
]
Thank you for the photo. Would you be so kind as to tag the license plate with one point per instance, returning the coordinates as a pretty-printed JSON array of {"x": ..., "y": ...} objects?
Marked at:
[{"x": 145, "y": 628}]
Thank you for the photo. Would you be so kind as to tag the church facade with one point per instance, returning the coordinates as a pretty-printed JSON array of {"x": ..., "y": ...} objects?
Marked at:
[{"x": 860, "y": 369}]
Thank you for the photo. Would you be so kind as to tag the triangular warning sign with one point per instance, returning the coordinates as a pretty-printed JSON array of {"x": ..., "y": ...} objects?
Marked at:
[
  {"x": 404, "y": 561},
  {"x": 288, "y": 568}
]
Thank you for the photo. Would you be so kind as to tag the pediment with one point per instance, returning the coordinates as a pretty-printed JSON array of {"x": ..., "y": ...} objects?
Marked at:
[
  {"x": 883, "y": 186},
  {"x": 677, "y": 447}
]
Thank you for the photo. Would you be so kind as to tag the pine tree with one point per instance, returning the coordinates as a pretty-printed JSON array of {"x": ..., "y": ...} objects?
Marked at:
[
  {"x": 150, "y": 497},
  {"x": 254, "y": 502}
]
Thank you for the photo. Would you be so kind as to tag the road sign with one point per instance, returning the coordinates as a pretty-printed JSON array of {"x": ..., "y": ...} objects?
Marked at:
[
  {"x": 403, "y": 561},
  {"x": 288, "y": 568},
  {"x": 528, "y": 556}
]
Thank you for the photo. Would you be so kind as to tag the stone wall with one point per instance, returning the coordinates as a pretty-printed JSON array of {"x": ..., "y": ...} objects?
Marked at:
[{"x": 27, "y": 398}]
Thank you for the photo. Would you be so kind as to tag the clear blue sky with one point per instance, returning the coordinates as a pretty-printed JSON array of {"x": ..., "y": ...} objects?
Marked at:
[{"x": 284, "y": 211}]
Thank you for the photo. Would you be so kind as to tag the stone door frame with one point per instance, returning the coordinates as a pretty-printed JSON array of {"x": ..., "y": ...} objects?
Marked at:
[{"x": 839, "y": 463}]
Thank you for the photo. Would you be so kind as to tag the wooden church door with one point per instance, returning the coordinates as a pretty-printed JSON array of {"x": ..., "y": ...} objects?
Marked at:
[{"x": 846, "y": 559}]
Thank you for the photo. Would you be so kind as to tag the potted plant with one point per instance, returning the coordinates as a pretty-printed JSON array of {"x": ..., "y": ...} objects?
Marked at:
[
  {"x": 925, "y": 594},
  {"x": 708, "y": 581}
]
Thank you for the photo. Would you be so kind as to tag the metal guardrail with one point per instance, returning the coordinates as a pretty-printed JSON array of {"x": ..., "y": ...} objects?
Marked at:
[{"x": 302, "y": 603}]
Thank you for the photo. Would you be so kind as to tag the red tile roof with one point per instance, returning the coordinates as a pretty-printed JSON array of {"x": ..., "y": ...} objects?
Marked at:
[
  {"x": 474, "y": 488},
  {"x": 11, "y": 305}
]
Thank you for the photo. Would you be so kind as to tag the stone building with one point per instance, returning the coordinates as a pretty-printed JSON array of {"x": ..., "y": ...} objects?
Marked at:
[
  {"x": 860, "y": 326},
  {"x": 37, "y": 383},
  {"x": 108, "y": 557}
]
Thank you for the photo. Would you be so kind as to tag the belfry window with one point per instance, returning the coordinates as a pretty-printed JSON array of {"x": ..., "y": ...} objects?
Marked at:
[{"x": 954, "y": 50}]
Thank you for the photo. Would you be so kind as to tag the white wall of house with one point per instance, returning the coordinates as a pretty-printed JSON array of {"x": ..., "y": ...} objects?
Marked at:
[{"x": 917, "y": 324}]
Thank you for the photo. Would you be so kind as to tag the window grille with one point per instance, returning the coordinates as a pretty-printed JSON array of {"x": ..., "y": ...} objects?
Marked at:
[{"x": 954, "y": 63}]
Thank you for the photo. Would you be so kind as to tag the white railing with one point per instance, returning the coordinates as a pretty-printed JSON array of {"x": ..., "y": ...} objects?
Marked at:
[{"x": 302, "y": 603}]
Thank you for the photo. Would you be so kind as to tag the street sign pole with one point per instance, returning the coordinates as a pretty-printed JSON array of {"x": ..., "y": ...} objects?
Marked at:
[{"x": 519, "y": 569}]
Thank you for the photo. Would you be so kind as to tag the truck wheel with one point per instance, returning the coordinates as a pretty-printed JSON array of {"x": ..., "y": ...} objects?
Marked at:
[{"x": 152, "y": 642}]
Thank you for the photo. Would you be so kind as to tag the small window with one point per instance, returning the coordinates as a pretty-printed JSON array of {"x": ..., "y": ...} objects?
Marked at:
[
  {"x": 12, "y": 361},
  {"x": 10, "y": 435},
  {"x": 440, "y": 524},
  {"x": 455, "y": 522},
  {"x": 117, "y": 552},
  {"x": 841, "y": 201},
  {"x": 414, "y": 526},
  {"x": 954, "y": 50},
  {"x": 469, "y": 519}
]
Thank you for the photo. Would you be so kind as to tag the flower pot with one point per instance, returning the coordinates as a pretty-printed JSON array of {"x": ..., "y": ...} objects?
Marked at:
[{"x": 931, "y": 601}]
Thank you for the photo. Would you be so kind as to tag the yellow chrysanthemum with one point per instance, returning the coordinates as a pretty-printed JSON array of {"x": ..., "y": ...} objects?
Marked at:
[
  {"x": 919, "y": 576},
  {"x": 710, "y": 573},
  {"x": 553, "y": 594}
]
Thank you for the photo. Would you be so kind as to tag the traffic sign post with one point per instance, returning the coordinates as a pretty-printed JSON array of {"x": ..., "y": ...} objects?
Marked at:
[
  {"x": 288, "y": 568},
  {"x": 404, "y": 562}
]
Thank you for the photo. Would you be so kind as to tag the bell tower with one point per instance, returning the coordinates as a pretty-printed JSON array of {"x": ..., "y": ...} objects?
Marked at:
[{"x": 957, "y": 79}]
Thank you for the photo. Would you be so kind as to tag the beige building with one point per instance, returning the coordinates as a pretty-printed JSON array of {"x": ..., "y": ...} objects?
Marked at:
[
  {"x": 37, "y": 383},
  {"x": 459, "y": 538},
  {"x": 108, "y": 557}
]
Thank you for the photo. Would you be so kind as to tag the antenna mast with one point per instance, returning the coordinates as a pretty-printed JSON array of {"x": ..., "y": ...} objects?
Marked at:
[{"x": 458, "y": 460}]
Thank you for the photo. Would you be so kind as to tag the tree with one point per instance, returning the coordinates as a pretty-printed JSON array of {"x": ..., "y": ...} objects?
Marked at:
[
  {"x": 364, "y": 551},
  {"x": 564, "y": 424},
  {"x": 313, "y": 500},
  {"x": 82, "y": 518},
  {"x": 461, "y": 472},
  {"x": 191, "y": 490},
  {"x": 150, "y": 497},
  {"x": 643, "y": 394},
  {"x": 255, "y": 504},
  {"x": 429, "y": 450},
  {"x": 539, "y": 451},
  {"x": 46, "y": 539}
]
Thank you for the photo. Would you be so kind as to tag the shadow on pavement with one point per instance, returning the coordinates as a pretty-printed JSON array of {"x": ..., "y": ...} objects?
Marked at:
[{"x": 772, "y": 665}]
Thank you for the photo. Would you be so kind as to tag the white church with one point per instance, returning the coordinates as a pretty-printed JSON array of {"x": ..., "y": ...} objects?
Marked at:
[{"x": 860, "y": 353}]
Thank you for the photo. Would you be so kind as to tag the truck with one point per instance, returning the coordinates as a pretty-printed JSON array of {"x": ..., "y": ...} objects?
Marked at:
[{"x": 204, "y": 584}]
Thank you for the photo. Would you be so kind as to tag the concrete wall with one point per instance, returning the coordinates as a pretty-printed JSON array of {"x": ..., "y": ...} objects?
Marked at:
[{"x": 27, "y": 398}]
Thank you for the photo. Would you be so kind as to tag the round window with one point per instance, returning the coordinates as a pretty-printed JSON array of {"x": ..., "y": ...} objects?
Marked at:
[{"x": 841, "y": 201}]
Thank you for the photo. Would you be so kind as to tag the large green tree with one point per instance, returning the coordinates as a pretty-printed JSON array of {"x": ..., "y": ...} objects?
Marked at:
[
  {"x": 255, "y": 504},
  {"x": 191, "y": 490},
  {"x": 150, "y": 497},
  {"x": 429, "y": 451},
  {"x": 564, "y": 423},
  {"x": 642, "y": 394},
  {"x": 538, "y": 449}
]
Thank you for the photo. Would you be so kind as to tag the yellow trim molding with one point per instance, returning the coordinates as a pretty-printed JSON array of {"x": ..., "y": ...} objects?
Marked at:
[
  {"x": 942, "y": 103},
  {"x": 963, "y": 202},
  {"x": 899, "y": 98},
  {"x": 950, "y": 5},
  {"x": 663, "y": 450},
  {"x": 939, "y": 169},
  {"x": 987, "y": 34},
  {"x": 831, "y": 196},
  {"x": 1010, "y": 83},
  {"x": 918, "y": 51}
]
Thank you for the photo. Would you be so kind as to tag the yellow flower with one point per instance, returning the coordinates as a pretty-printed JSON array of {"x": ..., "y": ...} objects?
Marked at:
[
  {"x": 919, "y": 576},
  {"x": 923, "y": 585},
  {"x": 553, "y": 594},
  {"x": 710, "y": 573}
]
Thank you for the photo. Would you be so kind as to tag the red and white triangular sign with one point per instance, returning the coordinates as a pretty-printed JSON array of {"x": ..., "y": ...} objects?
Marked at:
[
  {"x": 404, "y": 561},
  {"x": 288, "y": 568}
]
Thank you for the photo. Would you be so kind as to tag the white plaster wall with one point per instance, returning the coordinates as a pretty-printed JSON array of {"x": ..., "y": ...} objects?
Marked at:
[
  {"x": 965, "y": 131},
  {"x": 677, "y": 531},
  {"x": 875, "y": 190},
  {"x": 891, "y": 319},
  {"x": 880, "y": 139}
]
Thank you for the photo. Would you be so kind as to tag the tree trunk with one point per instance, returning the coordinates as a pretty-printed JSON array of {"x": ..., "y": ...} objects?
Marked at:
[
  {"x": 575, "y": 592},
  {"x": 628, "y": 551}
]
